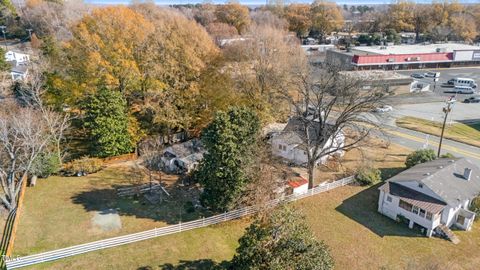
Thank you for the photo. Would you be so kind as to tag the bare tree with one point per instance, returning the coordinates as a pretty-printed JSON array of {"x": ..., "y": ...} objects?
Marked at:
[
  {"x": 32, "y": 92},
  {"x": 23, "y": 137},
  {"x": 331, "y": 113}
]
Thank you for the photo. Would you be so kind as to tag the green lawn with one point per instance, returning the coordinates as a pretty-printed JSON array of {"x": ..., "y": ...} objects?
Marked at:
[
  {"x": 466, "y": 133},
  {"x": 58, "y": 211},
  {"x": 345, "y": 218}
]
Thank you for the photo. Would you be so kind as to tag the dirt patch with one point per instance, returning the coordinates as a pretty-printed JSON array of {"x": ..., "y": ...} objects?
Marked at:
[{"x": 107, "y": 220}]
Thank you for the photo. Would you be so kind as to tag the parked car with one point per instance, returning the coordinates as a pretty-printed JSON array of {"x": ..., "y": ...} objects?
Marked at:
[
  {"x": 384, "y": 108},
  {"x": 461, "y": 90},
  {"x": 475, "y": 99},
  {"x": 432, "y": 74},
  {"x": 417, "y": 76},
  {"x": 451, "y": 82}
]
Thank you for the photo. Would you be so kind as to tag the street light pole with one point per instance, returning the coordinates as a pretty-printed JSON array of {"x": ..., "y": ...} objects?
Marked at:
[
  {"x": 3, "y": 27},
  {"x": 446, "y": 110}
]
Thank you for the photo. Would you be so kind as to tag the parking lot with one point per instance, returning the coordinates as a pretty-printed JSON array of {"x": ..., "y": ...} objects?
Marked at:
[{"x": 445, "y": 75}]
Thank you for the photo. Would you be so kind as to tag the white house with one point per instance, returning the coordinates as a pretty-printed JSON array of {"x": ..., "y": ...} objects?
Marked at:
[
  {"x": 182, "y": 157},
  {"x": 433, "y": 195},
  {"x": 18, "y": 58},
  {"x": 19, "y": 62},
  {"x": 290, "y": 144}
]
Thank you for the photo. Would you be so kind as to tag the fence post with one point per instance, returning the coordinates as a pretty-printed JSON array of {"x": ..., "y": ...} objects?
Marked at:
[
  {"x": 225, "y": 216},
  {"x": 180, "y": 225},
  {"x": 155, "y": 231},
  {"x": 203, "y": 221}
]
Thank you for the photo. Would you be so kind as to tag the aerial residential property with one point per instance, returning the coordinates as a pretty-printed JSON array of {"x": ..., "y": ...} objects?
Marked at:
[{"x": 434, "y": 195}]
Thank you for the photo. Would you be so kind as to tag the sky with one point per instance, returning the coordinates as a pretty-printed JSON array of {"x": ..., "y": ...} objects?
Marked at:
[{"x": 260, "y": 2}]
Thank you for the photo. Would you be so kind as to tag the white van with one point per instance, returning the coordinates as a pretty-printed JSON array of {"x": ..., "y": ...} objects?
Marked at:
[
  {"x": 463, "y": 90},
  {"x": 464, "y": 82}
]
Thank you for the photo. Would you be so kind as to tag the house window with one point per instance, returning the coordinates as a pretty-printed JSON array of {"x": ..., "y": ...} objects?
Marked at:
[
  {"x": 280, "y": 146},
  {"x": 422, "y": 213},
  {"x": 415, "y": 210},
  {"x": 420, "y": 185},
  {"x": 461, "y": 220},
  {"x": 389, "y": 199},
  {"x": 405, "y": 205},
  {"x": 429, "y": 216},
  {"x": 284, "y": 148}
]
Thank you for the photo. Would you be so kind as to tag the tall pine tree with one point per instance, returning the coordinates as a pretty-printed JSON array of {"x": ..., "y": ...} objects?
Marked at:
[
  {"x": 230, "y": 141},
  {"x": 106, "y": 120}
]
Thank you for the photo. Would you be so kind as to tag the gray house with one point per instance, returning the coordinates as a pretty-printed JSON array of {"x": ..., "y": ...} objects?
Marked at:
[
  {"x": 434, "y": 195},
  {"x": 182, "y": 157}
]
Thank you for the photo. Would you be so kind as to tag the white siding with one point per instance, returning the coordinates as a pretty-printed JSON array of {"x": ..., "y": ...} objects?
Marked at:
[{"x": 462, "y": 56}]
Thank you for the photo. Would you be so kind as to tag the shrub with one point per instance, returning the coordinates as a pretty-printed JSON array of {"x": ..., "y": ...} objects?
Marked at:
[
  {"x": 369, "y": 176},
  {"x": 420, "y": 156},
  {"x": 475, "y": 206},
  {"x": 84, "y": 165},
  {"x": 447, "y": 155},
  {"x": 189, "y": 207},
  {"x": 45, "y": 165}
]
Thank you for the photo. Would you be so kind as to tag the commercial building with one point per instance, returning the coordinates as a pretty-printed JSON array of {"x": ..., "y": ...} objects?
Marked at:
[{"x": 406, "y": 56}]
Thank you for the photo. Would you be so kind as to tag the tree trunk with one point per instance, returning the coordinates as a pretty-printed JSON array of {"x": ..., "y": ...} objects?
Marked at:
[
  {"x": 33, "y": 181},
  {"x": 311, "y": 170}
]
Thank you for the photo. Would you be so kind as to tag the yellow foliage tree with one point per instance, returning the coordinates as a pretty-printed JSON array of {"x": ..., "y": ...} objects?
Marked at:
[
  {"x": 401, "y": 16},
  {"x": 326, "y": 17},
  {"x": 104, "y": 47},
  {"x": 234, "y": 14},
  {"x": 298, "y": 17}
]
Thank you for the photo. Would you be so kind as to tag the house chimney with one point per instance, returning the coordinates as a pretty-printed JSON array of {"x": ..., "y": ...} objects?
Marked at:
[{"x": 467, "y": 174}]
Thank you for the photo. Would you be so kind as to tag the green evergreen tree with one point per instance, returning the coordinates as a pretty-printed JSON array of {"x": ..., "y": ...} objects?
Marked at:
[
  {"x": 106, "y": 120},
  {"x": 281, "y": 240},
  {"x": 4, "y": 66},
  {"x": 230, "y": 141}
]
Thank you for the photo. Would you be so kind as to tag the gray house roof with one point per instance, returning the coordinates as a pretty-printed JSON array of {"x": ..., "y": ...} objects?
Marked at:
[
  {"x": 445, "y": 177},
  {"x": 294, "y": 131}
]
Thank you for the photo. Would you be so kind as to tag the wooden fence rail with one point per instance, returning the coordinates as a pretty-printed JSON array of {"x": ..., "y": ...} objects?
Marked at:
[{"x": 14, "y": 263}]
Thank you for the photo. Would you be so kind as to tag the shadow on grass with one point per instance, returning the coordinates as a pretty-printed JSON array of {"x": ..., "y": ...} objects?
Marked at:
[
  {"x": 171, "y": 210},
  {"x": 202, "y": 264},
  {"x": 362, "y": 208}
]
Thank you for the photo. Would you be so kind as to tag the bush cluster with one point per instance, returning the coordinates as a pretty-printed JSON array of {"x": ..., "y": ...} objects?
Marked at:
[
  {"x": 475, "y": 207},
  {"x": 420, "y": 156},
  {"x": 369, "y": 176},
  {"x": 84, "y": 165}
]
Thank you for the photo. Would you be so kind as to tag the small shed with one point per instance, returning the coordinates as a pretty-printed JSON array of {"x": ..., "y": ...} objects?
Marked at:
[{"x": 299, "y": 185}]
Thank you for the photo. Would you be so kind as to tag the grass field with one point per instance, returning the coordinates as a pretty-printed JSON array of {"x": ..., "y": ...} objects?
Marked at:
[
  {"x": 466, "y": 133},
  {"x": 345, "y": 218}
]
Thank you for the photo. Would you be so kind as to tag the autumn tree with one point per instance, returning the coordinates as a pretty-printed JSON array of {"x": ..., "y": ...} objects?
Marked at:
[
  {"x": 233, "y": 14},
  {"x": 171, "y": 63},
  {"x": 230, "y": 142},
  {"x": 268, "y": 18},
  {"x": 401, "y": 16},
  {"x": 263, "y": 64},
  {"x": 104, "y": 49},
  {"x": 298, "y": 17},
  {"x": 464, "y": 27},
  {"x": 281, "y": 240},
  {"x": 326, "y": 17}
]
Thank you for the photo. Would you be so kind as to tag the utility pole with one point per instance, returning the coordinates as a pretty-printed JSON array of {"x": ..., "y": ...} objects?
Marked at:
[
  {"x": 3, "y": 28},
  {"x": 29, "y": 30},
  {"x": 446, "y": 110}
]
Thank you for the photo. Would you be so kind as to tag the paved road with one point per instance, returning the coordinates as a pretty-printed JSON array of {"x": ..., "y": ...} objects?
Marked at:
[
  {"x": 417, "y": 140},
  {"x": 433, "y": 111}
]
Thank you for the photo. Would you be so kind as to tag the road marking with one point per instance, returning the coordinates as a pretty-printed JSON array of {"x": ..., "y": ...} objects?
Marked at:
[{"x": 446, "y": 147}]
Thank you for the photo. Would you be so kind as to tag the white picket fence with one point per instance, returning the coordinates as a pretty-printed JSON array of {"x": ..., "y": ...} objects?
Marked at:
[{"x": 14, "y": 263}]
